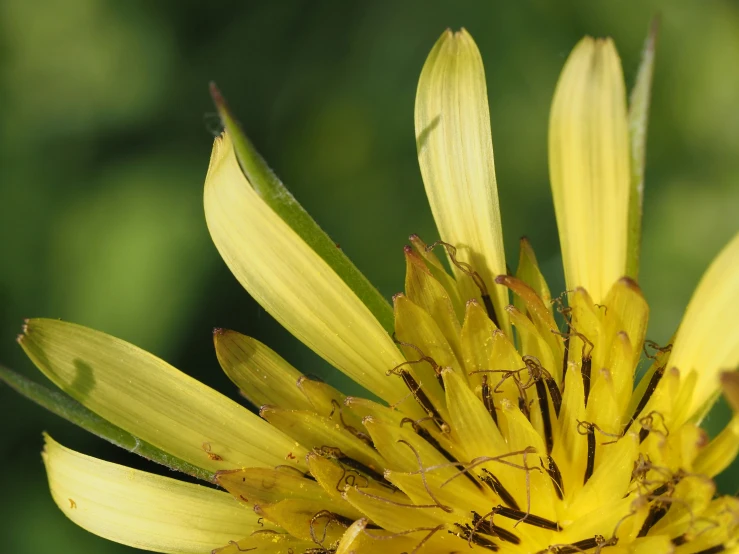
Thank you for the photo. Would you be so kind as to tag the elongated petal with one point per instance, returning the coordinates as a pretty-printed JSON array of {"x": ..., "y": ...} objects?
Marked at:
[
  {"x": 291, "y": 281},
  {"x": 140, "y": 509},
  {"x": 278, "y": 197},
  {"x": 589, "y": 166},
  {"x": 261, "y": 374},
  {"x": 64, "y": 406},
  {"x": 151, "y": 399},
  {"x": 455, "y": 152},
  {"x": 708, "y": 339}
]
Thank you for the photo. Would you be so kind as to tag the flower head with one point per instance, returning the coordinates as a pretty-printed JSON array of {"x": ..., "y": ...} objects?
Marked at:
[{"x": 497, "y": 426}]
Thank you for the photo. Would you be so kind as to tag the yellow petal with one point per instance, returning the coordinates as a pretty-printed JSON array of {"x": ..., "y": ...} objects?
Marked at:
[
  {"x": 151, "y": 399},
  {"x": 140, "y": 509},
  {"x": 528, "y": 271},
  {"x": 261, "y": 374},
  {"x": 266, "y": 541},
  {"x": 720, "y": 452},
  {"x": 291, "y": 281},
  {"x": 439, "y": 272},
  {"x": 708, "y": 339},
  {"x": 455, "y": 152},
  {"x": 264, "y": 485},
  {"x": 315, "y": 431},
  {"x": 589, "y": 166},
  {"x": 428, "y": 293}
]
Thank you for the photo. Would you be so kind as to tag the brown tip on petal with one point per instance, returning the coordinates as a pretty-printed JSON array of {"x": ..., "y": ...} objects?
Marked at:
[
  {"x": 472, "y": 302},
  {"x": 368, "y": 420},
  {"x": 703, "y": 438},
  {"x": 398, "y": 295},
  {"x": 730, "y": 386},
  {"x": 302, "y": 379},
  {"x": 266, "y": 409},
  {"x": 218, "y": 331},
  {"x": 414, "y": 237},
  {"x": 501, "y": 279},
  {"x": 258, "y": 510},
  {"x": 216, "y": 95},
  {"x": 407, "y": 249},
  {"x": 631, "y": 283},
  {"x": 348, "y": 401}
]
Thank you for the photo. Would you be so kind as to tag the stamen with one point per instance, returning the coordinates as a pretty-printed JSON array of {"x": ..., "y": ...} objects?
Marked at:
[
  {"x": 497, "y": 487},
  {"x": 653, "y": 382},
  {"x": 586, "y": 366},
  {"x": 419, "y": 395},
  {"x": 590, "y": 432},
  {"x": 647, "y": 426},
  {"x": 467, "y": 270},
  {"x": 566, "y": 315},
  {"x": 656, "y": 512},
  {"x": 540, "y": 377},
  {"x": 556, "y": 476},
  {"x": 425, "y": 435},
  {"x": 423, "y": 358},
  {"x": 657, "y": 348},
  {"x": 487, "y": 527},
  {"x": 470, "y": 537},
  {"x": 487, "y": 399},
  {"x": 526, "y": 517}
]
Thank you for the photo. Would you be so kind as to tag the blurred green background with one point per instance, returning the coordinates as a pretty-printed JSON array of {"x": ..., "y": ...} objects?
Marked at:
[{"x": 106, "y": 129}]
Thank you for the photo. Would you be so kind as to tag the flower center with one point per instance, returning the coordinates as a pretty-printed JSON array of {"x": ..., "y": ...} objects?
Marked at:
[{"x": 531, "y": 440}]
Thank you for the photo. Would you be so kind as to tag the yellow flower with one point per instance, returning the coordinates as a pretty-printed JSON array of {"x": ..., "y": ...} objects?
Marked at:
[{"x": 498, "y": 429}]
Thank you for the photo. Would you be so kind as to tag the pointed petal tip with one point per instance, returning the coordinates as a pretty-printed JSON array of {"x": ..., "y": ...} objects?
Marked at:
[{"x": 216, "y": 95}]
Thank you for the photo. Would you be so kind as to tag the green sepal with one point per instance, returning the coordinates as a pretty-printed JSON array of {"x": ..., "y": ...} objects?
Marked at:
[
  {"x": 638, "y": 119},
  {"x": 66, "y": 407},
  {"x": 278, "y": 197}
]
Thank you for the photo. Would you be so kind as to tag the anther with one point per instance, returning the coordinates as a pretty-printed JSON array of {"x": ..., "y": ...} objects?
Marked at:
[
  {"x": 651, "y": 386},
  {"x": 590, "y": 432},
  {"x": 497, "y": 487},
  {"x": 487, "y": 527},
  {"x": 487, "y": 399},
  {"x": 528, "y": 518},
  {"x": 423, "y": 400},
  {"x": 555, "y": 475}
]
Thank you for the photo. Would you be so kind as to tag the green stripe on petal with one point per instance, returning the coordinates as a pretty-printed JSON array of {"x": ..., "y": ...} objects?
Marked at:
[
  {"x": 140, "y": 509},
  {"x": 589, "y": 166},
  {"x": 269, "y": 187},
  {"x": 455, "y": 152},
  {"x": 639, "y": 102},
  {"x": 151, "y": 399},
  {"x": 68, "y": 408},
  {"x": 293, "y": 283}
]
